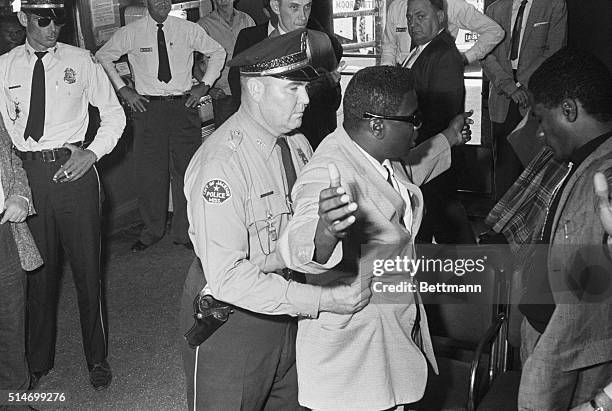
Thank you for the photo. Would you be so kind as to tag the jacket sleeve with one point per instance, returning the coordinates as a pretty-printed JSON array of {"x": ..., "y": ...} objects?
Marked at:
[{"x": 428, "y": 160}]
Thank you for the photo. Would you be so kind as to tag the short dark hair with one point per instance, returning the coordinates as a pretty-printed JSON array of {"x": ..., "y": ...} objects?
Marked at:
[
  {"x": 378, "y": 89},
  {"x": 438, "y": 4},
  {"x": 574, "y": 74}
]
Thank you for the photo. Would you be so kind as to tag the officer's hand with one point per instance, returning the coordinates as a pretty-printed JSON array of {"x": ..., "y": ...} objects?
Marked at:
[
  {"x": 603, "y": 200},
  {"x": 521, "y": 97},
  {"x": 15, "y": 210},
  {"x": 136, "y": 101},
  {"x": 336, "y": 211},
  {"x": 458, "y": 130},
  {"x": 341, "y": 298},
  {"x": 79, "y": 163},
  {"x": 195, "y": 94},
  {"x": 216, "y": 93}
]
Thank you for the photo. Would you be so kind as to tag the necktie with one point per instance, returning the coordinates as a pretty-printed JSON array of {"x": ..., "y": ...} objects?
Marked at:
[
  {"x": 36, "y": 116},
  {"x": 290, "y": 173},
  {"x": 163, "y": 70},
  {"x": 516, "y": 31},
  {"x": 409, "y": 62},
  {"x": 390, "y": 181}
]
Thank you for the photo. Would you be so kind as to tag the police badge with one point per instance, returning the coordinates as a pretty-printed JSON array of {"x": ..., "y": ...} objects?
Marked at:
[{"x": 69, "y": 76}]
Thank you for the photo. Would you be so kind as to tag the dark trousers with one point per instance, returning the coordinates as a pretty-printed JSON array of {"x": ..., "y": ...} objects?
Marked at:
[
  {"x": 13, "y": 365},
  {"x": 223, "y": 108},
  {"x": 445, "y": 218},
  {"x": 68, "y": 218},
  {"x": 248, "y": 364},
  {"x": 507, "y": 167},
  {"x": 165, "y": 138}
]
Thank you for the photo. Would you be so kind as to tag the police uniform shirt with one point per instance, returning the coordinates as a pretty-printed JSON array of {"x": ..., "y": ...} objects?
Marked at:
[
  {"x": 72, "y": 80},
  {"x": 139, "y": 41},
  {"x": 237, "y": 209},
  {"x": 226, "y": 35}
]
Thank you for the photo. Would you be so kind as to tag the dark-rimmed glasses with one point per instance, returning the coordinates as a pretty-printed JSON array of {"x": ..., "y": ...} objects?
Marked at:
[
  {"x": 45, "y": 21},
  {"x": 414, "y": 119}
]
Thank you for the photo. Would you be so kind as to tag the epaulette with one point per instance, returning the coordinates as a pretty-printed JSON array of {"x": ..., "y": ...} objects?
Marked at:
[{"x": 234, "y": 139}]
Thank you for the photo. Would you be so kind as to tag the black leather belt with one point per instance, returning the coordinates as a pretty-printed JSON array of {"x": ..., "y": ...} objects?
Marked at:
[
  {"x": 46, "y": 156},
  {"x": 166, "y": 98}
]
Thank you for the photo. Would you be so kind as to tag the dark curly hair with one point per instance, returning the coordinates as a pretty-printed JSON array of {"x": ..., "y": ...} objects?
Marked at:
[
  {"x": 378, "y": 89},
  {"x": 578, "y": 75}
]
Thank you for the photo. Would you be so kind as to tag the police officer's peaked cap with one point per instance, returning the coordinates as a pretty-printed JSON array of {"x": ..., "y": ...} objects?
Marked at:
[{"x": 284, "y": 56}]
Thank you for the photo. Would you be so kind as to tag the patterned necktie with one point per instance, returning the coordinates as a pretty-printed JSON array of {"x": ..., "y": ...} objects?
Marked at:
[
  {"x": 290, "y": 173},
  {"x": 163, "y": 70},
  {"x": 36, "y": 116},
  {"x": 516, "y": 31},
  {"x": 409, "y": 62},
  {"x": 390, "y": 181}
]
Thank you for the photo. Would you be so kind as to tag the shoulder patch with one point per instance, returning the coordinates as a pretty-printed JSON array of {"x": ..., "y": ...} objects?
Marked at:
[{"x": 216, "y": 191}]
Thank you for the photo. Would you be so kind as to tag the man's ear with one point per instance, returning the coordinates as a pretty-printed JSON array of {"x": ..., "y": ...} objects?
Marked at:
[
  {"x": 569, "y": 109},
  {"x": 441, "y": 14},
  {"x": 377, "y": 128},
  {"x": 256, "y": 88},
  {"x": 275, "y": 6},
  {"x": 23, "y": 18}
]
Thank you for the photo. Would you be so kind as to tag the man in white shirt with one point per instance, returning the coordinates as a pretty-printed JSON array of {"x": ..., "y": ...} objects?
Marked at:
[
  {"x": 461, "y": 15},
  {"x": 223, "y": 24},
  {"x": 47, "y": 88},
  {"x": 167, "y": 128}
]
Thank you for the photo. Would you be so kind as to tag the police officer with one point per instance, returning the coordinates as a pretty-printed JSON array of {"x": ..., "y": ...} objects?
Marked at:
[
  {"x": 46, "y": 88},
  {"x": 167, "y": 127},
  {"x": 238, "y": 187}
]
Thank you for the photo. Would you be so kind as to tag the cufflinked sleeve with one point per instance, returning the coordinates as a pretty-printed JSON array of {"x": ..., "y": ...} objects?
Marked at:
[
  {"x": 203, "y": 43},
  {"x": 217, "y": 198},
  {"x": 297, "y": 246},
  {"x": 467, "y": 17},
  {"x": 112, "y": 117}
]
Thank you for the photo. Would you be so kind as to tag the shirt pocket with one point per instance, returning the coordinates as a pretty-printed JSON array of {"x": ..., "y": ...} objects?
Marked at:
[
  {"x": 266, "y": 217},
  {"x": 65, "y": 100}
]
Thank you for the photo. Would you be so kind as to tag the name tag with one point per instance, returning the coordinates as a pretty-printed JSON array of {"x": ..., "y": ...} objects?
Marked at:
[
  {"x": 401, "y": 29},
  {"x": 146, "y": 49},
  {"x": 13, "y": 87}
]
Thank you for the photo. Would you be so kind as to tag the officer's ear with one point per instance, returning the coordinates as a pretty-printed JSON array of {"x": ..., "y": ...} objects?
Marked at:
[
  {"x": 377, "y": 128},
  {"x": 23, "y": 19},
  {"x": 256, "y": 88}
]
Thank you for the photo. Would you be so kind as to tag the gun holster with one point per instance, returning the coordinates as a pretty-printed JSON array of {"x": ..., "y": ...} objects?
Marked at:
[{"x": 209, "y": 315}]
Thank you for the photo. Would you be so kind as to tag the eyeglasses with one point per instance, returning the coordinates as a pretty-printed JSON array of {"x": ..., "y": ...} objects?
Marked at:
[
  {"x": 414, "y": 119},
  {"x": 45, "y": 21}
]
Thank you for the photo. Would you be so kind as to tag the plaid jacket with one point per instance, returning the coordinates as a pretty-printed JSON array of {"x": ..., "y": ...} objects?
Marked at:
[{"x": 520, "y": 213}]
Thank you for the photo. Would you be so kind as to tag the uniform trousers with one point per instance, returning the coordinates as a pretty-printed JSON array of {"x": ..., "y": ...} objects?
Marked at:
[
  {"x": 68, "y": 219},
  {"x": 545, "y": 386},
  {"x": 13, "y": 365},
  {"x": 508, "y": 166},
  {"x": 247, "y": 364},
  {"x": 165, "y": 138}
]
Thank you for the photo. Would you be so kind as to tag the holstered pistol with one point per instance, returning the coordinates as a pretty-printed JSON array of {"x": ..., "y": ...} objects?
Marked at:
[{"x": 209, "y": 315}]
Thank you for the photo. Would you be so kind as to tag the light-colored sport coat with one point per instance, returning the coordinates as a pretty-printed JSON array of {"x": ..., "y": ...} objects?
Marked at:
[
  {"x": 367, "y": 360},
  {"x": 15, "y": 182},
  {"x": 545, "y": 33}
]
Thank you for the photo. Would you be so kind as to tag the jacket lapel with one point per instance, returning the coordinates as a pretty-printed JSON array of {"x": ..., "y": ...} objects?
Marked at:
[{"x": 383, "y": 196}]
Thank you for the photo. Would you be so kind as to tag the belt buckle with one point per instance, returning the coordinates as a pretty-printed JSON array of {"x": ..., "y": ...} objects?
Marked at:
[{"x": 45, "y": 158}]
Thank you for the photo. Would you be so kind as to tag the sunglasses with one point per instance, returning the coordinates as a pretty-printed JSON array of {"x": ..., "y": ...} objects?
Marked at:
[
  {"x": 414, "y": 119},
  {"x": 45, "y": 21}
]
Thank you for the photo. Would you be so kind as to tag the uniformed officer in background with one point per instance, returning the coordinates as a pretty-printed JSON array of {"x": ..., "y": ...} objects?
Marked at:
[
  {"x": 45, "y": 90},
  {"x": 238, "y": 187},
  {"x": 167, "y": 127}
]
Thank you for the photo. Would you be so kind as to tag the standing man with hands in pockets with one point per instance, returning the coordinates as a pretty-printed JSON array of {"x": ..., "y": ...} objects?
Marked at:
[
  {"x": 167, "y": 127},
  {"x": 45, "y": 91}
]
